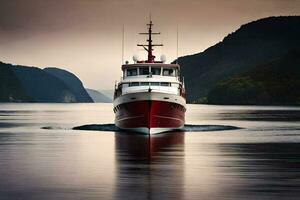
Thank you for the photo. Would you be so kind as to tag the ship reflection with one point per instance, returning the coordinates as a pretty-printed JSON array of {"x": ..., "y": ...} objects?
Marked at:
[
  {"x": 149, "y": 167},
  {"x": 145, "y": 147}
]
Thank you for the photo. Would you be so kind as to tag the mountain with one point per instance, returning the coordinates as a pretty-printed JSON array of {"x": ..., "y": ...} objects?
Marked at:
[
  {"x": 32, "y": 84},
  {"x": 108, "y": 93},
  {"x": 10, "y": 87},
  {"x": 98, "y": 96},
  {"x": 74, "y": 83},
  {"x": 276, "y": 83},
  {"x": 252, "y": 45},
  {"x": 41, "y": 86}
]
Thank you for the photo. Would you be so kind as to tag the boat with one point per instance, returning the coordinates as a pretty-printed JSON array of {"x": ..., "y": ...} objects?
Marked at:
[{"x": 150, "y": 97}]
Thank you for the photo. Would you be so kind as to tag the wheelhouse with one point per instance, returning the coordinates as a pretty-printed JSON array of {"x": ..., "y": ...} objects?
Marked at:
[{"x": 134, "y": 70}]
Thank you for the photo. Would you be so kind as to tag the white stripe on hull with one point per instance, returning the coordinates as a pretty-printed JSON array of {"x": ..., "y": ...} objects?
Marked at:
[
  {"x": 148, "y": 96},
  {"x": 151, "y": 131}
]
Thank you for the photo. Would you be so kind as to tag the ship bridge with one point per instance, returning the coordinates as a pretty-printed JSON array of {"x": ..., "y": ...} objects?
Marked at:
[{"x": 150, "y": 76}]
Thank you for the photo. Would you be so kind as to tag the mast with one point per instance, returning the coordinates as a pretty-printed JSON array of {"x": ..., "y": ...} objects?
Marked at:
[
  {"x": 123, "y": 38},
  {"x": 149, "y": 47}
]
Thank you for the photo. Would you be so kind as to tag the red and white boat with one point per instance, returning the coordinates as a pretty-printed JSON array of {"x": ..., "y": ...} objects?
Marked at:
[{"x": 150, "y": 98}]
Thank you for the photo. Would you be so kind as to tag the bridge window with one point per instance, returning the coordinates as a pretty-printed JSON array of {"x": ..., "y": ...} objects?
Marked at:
[
  {"x": 168, "y": 72},
  {"x": 154, "y": 83},
  {"x": 144, "y": 70},
  {"x": 144, "y": 83},
  {"x": 155, "y": 70},
  {"x": 165, "y": 84},
  {"x": 132, "y": 72},
  {"x": 132, "y": 84}
]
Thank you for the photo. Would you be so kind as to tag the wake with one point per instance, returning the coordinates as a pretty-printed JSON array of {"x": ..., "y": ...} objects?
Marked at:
[{"x": 186, "y": 128}]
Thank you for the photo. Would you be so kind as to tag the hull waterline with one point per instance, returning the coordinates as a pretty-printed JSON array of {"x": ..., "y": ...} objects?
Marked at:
[
  {"x": 151, "y": 131},
  {"x": 150, "y": 117}
]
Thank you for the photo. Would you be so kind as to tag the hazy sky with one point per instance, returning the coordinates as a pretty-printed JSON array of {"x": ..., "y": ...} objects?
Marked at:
[{"x": 85, "y": 36}]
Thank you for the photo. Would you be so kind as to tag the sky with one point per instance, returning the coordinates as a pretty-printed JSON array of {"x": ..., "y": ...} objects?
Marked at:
[{"x": 85, "y": 36}]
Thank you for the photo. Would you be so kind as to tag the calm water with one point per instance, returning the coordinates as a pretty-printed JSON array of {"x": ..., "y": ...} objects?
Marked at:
[{"x": 260, "y": 161}]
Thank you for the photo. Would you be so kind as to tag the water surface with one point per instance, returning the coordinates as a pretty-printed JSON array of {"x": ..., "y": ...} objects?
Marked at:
[{"x": 259, "y": 161}]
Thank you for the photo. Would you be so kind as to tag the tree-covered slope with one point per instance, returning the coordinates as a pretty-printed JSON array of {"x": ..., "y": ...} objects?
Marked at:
[
  {"x": 274, "y": 83},
  {"x": 43, "y": 87},
  {"x": 31, "y": 84},
  {"x": 10, "y": 87},
  {"x": 251, "y": 45},
  {"x": 72, "y": 81}
]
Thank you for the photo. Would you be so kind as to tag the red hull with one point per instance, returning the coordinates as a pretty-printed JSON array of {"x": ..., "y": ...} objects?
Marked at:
[{"x": 150, "y": 114}]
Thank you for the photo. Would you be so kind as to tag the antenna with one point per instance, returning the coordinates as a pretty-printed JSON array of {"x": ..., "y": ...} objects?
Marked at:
[
  {"x": 177, "y": 45},
  {"x": 149, "y": 47},
  {"x": 123, "y": 38}
]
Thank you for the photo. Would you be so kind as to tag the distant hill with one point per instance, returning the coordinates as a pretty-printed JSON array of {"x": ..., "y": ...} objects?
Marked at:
[
  {"x": 98, "y": 96},
  {"x": 41, "y": 86},
  {"x": 276, "y": 83},
  {"x": 108, "y": 93},
  {"x": 72, "y": 82},
  {"x": 251, "y": 46},
  {"x": 10, "y": 86},
  {"x": 32, "y": 84}
]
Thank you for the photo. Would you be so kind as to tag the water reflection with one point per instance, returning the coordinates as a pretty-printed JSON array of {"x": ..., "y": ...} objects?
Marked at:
[
  {"x": 261, "y": 161},
  {"x": 264, "y": 169},
  {"x": 149, "y": 167},
  {"x": 260, "y": 115}
]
